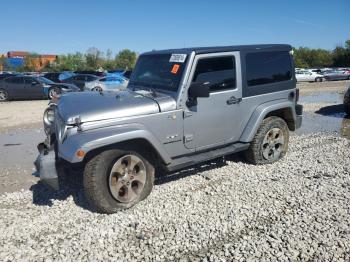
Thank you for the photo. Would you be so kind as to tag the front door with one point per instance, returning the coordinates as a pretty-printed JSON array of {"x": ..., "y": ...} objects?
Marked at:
[{"x": 215, "y": 119}]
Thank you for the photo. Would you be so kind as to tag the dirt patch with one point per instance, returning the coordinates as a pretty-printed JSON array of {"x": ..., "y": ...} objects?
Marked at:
[
  {"x": 17, "y": 115},
  {"x": 328, "y": 86}
]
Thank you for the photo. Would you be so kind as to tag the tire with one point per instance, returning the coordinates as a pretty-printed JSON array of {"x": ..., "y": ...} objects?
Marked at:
[
  {"x": 270, "y": 142},
  {"x": 97, "y": 89},
  {"x": 347, "y": 110},
  {"x": 4, "y": 96},
  {"x": 54, "y": 91},
  {"x": 103, "y": 180},
  {"x": 318, "y": 79}
]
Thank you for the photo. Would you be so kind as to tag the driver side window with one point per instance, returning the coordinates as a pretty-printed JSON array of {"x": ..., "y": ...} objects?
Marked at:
[{"x": 220, "y": 72}]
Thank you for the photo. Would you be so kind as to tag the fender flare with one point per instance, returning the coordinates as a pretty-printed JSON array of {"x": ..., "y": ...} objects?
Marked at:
[
  {"x": 97, "y": 138},
  {"x": 260, "y": 113}
]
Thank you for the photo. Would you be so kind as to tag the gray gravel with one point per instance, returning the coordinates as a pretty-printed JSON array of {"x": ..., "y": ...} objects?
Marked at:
[{"x": 296, "y": 209}]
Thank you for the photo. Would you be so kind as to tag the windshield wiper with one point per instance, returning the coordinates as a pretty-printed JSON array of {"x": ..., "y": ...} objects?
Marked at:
[{"x": 141, "y": 86}]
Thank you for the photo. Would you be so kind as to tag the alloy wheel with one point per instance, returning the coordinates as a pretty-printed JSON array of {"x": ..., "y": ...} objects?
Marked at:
[
  {"x": 3, "y": 95},
  {"x": 53, "y": 93},
  {"x": 273, "y": 143},
  {"x": 127, "y": 178}
]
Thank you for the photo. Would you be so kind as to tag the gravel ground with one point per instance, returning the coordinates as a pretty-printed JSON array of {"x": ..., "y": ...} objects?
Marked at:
[{"x": 295, "y": 209}]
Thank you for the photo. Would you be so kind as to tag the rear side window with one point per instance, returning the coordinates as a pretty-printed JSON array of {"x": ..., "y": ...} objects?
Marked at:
[
  {"x": 268, "y": 67},
  {"x": 219, "y": 71}
]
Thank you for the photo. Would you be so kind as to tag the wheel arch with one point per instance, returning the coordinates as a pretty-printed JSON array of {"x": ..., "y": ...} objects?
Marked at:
[
  {"x": 131, "y": 144},
  {"x": 94, "y": 141},
  {"x": 284, "y": 110}
]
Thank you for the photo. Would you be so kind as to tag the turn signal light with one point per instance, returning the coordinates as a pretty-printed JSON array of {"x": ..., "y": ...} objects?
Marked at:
[{"x": 80, "y": 153}]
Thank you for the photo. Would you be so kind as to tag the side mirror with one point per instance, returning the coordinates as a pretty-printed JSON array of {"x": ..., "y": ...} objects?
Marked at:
[{"x": 199, "y": 90}]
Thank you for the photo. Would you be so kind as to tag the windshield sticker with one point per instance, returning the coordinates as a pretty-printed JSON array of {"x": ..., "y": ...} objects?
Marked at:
[
  {"x": 178, "y": 58},
  {"x": 175, "y": 69}
]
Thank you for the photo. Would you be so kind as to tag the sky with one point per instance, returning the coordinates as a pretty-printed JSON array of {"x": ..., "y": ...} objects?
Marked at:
[{"x": 60, "y": 27}]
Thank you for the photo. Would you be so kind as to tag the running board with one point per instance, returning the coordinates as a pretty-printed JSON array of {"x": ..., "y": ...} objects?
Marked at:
[{"x": 196, "y": 158}]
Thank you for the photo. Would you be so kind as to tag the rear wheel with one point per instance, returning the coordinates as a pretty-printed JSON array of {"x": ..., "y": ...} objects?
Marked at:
[
  {"x": 318, "y": 79},
  {"x": 270, "y": 143},
  {"x": 117, "y": 179},
  {"x": 4, "y": 96},
  {"x": 97, "y": 89}
]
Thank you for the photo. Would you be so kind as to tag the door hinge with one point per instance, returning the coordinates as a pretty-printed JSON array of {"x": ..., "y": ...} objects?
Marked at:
[{"x": 187, "y": 114}]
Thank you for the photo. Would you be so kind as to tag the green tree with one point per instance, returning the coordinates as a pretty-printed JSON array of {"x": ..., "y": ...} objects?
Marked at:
[
  {"x": 70, "y": 62},
  {"x": 125, "y": 59},
  {"x": 94, "y": 58},
  {"x": 341, "y": 55},
  {"x": 306, "y": 57}
]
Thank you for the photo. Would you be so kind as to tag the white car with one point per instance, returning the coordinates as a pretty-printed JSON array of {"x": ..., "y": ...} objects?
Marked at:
[
  {"x": 107, "y": 83},
  {"x": 308, "y": 76}
]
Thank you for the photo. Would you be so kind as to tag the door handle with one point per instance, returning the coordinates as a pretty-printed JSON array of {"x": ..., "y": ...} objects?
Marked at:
[{"x": 233, "y": 100}]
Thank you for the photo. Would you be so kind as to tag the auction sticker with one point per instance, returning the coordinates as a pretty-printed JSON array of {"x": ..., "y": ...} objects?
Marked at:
[
  {"x": 178, "y": 58},
  {"x": 175, "y": 69}
]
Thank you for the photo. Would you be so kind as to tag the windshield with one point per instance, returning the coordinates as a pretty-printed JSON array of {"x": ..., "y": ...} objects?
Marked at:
[
  {"x": 158, "y": 71},
  {"x": 45, "y": 80}
]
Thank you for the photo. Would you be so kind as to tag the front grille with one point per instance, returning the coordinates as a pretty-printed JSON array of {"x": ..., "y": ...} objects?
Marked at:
[{"x": 60, "y": 127}]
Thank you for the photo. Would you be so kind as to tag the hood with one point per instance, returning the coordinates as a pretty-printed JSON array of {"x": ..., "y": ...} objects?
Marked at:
[{"x": 95, "y": 106}]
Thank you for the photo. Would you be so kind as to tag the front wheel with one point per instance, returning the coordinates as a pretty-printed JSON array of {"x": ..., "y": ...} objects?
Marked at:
[
  {"x": 270, "y": 143},
  {"x": 117, "y": 179},
  {"x": 318, "y": 79},
  {"x": 4, "y": 96},
  {"x": 53, "y": 92}
]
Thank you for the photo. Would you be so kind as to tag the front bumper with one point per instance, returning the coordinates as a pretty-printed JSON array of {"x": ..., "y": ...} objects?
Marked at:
[{"x": 46, "y": 166}]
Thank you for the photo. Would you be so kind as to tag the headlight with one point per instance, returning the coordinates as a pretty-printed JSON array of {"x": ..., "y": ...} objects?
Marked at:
[{"x": 48, "y": 118}]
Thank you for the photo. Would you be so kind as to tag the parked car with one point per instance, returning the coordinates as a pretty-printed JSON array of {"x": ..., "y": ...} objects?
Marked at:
[
  {"x": 182, "y": 107},
  {"x": 58, "y": 77},
  {"x": 107, "y": 83},
  {"x": 347, "y": 101},
  {"x": 80, "y": 80},
  {"x": 308, "y": 76},
  {"x": 31, "y": 87},
  {"x": 336, "y": 75},
  {"x": 90, "y": 72}
]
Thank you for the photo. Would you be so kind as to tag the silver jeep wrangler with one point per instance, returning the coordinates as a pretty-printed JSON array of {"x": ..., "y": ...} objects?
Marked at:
[{"x": 181, "y": 107}]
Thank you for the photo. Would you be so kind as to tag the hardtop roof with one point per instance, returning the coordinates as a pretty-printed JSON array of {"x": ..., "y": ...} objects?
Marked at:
[{"x": 217, "y": 49}]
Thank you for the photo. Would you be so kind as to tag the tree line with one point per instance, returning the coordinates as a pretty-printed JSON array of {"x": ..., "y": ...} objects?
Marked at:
[
  {"x": 95, "y": 59},
  {"x": 92, "y": 59},
  {"x": 308, "y": 57}
]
